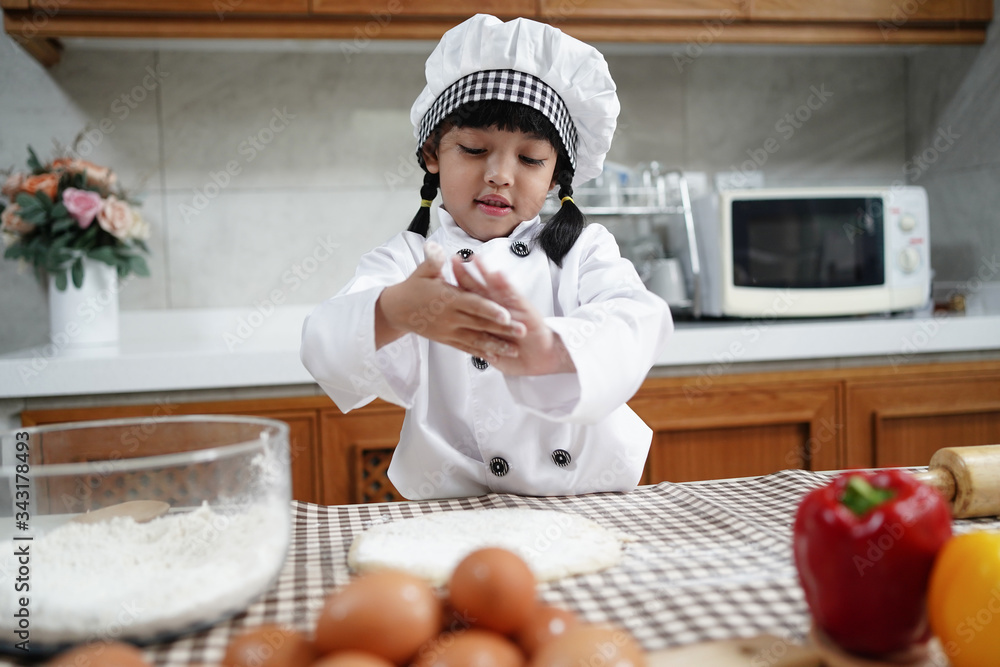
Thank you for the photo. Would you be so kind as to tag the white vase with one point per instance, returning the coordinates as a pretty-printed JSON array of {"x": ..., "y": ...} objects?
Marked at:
[{"x": 85, "y": 316}]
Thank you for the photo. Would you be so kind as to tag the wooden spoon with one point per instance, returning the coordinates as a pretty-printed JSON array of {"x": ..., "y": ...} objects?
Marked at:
[{"x": 140, "y": 510}]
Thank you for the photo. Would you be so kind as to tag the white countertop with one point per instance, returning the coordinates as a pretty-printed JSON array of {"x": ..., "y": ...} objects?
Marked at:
[{"x": 176, "y": 350}]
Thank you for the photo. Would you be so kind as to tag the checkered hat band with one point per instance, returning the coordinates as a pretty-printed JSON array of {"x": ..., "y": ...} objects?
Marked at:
[{"x": 507, "y": 85}]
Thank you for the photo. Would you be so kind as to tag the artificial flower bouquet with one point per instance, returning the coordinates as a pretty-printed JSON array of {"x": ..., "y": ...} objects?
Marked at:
[{"x": 60, "y": 213}]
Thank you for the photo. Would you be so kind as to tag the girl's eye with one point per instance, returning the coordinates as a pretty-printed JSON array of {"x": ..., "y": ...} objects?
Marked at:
[
  {"x": 532, "y": 161},
  {"x": 472, "y": 151}
]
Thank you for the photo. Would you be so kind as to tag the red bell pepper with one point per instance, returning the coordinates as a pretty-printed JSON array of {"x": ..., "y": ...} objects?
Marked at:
[{"x": 864, "y": 546}]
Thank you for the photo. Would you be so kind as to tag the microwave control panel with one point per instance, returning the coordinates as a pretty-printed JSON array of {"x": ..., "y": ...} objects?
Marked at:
[{"x": 907, "y": 236}]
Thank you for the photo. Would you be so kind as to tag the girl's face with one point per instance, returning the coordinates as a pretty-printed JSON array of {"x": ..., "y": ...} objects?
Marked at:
[{"x": 492, "y": 180}]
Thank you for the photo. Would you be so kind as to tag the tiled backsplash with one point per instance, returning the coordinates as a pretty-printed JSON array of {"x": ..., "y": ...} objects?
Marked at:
[{"x": 270, "y": 171}]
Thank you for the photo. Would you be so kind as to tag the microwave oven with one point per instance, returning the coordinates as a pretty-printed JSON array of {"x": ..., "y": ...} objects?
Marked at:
[{"x": 812, "y": 252}]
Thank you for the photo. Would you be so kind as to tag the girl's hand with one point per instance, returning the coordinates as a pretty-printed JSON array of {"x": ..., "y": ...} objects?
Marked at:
[
  {"x": 426, "y": 305},
  {"x": 539, "y": 351}
]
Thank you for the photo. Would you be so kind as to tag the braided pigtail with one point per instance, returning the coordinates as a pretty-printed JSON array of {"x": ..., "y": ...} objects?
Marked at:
[
  {"x": 421, "y": 222},
  {"x": 563, "y": 229}
]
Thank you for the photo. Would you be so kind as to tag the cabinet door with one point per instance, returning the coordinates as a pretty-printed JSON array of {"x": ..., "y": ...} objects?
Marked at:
[
  {"x": 356, "y": 450},
  {"x": 902, "y": 421},
  {"x": 739, "y": 430}
]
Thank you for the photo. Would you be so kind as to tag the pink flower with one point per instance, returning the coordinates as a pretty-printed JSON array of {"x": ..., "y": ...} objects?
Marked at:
[
  {"x": 116, "y": 217},
  {"x": 83, "y": 205}
]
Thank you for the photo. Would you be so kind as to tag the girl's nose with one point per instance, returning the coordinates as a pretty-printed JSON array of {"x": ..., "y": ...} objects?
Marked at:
[{"x": 499, "y": 170}]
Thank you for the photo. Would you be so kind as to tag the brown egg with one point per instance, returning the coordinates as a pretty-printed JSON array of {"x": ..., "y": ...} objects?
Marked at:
[
  {"x": 469, "y": 648},
  {"x": 100, "y": 654},
  {"x": 494, "y": 589},
  {"x": 269, "y": 646},
  {"x": 352, "y": 659},
  {"x": 387, "y": 613},
  {"x": 542, "y": 625},
  {"x": 587, "y": 644}
]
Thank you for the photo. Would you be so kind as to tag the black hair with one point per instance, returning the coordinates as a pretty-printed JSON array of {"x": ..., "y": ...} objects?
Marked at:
[{"x": 562, "y": 230}]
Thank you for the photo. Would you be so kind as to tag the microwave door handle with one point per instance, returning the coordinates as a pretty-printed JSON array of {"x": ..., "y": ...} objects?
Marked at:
[{"x": 692, "y": 247}]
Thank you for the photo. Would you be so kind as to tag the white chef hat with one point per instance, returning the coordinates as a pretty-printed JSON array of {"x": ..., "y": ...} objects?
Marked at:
[{"x": 528, "y": 62}]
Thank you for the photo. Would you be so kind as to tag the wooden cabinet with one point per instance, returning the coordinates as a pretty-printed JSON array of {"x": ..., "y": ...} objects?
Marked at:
[
  {"x": 739, "y": 426},
  {"x": 897, "y": 421},
  {"x": 356, "y": 450},
  {"x": 38, "y": 24},
  {"x": 705, "y": 426}
]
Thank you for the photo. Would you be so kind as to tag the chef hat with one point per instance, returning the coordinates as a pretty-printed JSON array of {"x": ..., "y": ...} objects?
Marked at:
[{"x": 528, "y": 62}]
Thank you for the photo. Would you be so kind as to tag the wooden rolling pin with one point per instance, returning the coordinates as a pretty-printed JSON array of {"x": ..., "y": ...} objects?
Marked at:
[{"x": 968, "y": 477}]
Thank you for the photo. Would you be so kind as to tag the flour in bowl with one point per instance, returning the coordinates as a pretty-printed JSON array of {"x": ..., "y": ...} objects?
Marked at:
[{"x": 120, "y": 578}]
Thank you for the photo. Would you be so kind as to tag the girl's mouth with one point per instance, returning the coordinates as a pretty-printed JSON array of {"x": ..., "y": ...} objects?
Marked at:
[{"x": 494, "y": 205}]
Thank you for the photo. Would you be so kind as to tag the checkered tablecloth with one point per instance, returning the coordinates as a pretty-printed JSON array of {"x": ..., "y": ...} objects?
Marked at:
[{"x": 708, "y": 560}]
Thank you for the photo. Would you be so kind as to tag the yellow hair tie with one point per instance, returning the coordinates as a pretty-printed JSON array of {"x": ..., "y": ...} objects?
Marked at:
[
  {"x": 426, "y": 203},
  {"x": 565, "y": 199}
]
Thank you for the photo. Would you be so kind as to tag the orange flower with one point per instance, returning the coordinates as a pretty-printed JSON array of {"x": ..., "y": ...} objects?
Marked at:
[
  {"x": 12, "y": 185},
  {"x": 97, "y": 175},
  {"x": 47, "y": 183},
  {"x": 11, "y": 222}
]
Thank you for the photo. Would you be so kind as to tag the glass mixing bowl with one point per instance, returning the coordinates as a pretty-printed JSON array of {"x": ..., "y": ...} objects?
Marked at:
[{"x": 220, "y": 486}]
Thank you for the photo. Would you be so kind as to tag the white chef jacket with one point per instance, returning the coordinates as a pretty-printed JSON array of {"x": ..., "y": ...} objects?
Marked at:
[{"x": 471, "y": 430}]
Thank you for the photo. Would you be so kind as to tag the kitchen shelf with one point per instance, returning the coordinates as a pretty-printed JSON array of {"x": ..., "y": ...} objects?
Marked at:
[
  {"x": 38, "y": 25},
  {"x": 663, "y": 194}
]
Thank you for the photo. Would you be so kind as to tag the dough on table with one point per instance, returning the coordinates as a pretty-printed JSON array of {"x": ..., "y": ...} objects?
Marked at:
[{"x": 554, "y": 544}]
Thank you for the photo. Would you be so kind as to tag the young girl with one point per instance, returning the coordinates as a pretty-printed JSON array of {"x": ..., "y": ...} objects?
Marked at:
[{"x": 515, "y": 357}]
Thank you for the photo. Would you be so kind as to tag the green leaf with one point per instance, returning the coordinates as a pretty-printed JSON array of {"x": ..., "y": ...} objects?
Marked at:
[
  {"x": 44, "y": 201},
  {"x": 34, "y": 216},
  {"x": 57, "y": 257},
  {"x": 60, "y": 280},
  {"x": 59, "y": 211},
  {"x": 138, "y": 265},
  {"x": 27, "y": 201},
  {"x": 78, "y": 272},
  {"x": 87, "y": 240},
  {"x": 141, "y": 245},
  {"x": 102, "y": 254},
  {"x": 15, "y": 251},
  {"x": 63, "y": 224},
  {"x": 33, "y": 163}
]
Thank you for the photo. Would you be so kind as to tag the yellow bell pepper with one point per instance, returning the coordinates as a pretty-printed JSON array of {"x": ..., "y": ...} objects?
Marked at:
[{"x": 964, "y": 599}]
